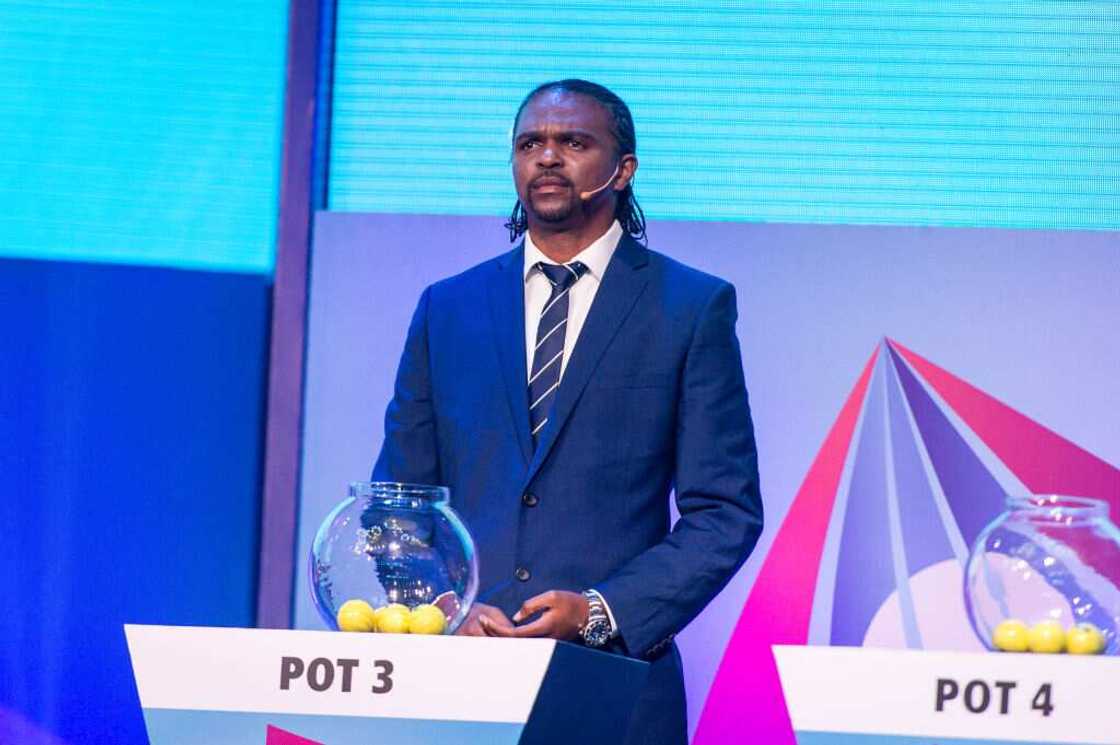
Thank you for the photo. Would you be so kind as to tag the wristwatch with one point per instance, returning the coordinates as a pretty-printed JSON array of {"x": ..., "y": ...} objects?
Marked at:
[{"x": 596, "y": 631}]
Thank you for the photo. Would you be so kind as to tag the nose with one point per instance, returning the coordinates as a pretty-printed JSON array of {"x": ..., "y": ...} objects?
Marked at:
[{"x": 548, "y": 156}]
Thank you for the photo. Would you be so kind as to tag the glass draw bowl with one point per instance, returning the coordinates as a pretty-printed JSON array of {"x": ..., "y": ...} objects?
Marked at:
[
  {"x": 394, "y": 543},
  {"x": 1046, "y": 558}
]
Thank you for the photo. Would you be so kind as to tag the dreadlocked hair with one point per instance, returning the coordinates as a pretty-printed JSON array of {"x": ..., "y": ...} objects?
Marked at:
[{"x": 627, "y": 210}]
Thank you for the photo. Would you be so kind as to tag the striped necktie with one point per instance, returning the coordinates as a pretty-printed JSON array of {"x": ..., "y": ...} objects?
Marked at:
[{"x": 549, "y": 352}]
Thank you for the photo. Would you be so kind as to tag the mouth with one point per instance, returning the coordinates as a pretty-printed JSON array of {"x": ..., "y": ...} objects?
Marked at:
[{"x": 550, "y": 183}]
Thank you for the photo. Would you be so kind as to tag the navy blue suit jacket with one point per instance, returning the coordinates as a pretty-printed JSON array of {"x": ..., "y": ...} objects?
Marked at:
[{"x": 652, "y": 399}]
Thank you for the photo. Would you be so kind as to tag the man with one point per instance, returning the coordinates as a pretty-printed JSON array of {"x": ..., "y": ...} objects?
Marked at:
[{"x": 563, "y": 389}]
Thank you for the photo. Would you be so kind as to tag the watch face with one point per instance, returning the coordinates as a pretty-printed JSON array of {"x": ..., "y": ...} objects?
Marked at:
[{"x": 597, "y": 633}]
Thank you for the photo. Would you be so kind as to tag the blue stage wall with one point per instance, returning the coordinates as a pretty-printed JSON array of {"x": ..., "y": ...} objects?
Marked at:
[
  {"x": 140, "y": 136},
  {"x": 131, "y": 412}
]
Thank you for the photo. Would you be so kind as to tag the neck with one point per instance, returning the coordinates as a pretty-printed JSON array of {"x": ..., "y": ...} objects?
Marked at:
[{"x": 563, "y": 244}]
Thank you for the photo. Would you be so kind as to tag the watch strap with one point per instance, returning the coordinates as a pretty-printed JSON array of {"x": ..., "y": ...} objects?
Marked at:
[{"x": 598, "y": 629}]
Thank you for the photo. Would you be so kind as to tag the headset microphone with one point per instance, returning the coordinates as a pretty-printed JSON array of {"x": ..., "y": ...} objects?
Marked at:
[{"x": 585, "y": 195}]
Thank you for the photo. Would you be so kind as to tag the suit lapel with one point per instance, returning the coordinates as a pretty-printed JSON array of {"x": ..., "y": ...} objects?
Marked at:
[
  {"x": 507, "y": 306},
  {"x": 622, "y": 283}
]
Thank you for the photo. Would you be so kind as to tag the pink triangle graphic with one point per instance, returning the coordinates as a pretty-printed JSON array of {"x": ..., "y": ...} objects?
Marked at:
[
  {"x": 277, "y": 736},
  {"x": 745, "y": 702},
  {"x": 746, "y": 699},
  {"x": 1042, "y": 459}
]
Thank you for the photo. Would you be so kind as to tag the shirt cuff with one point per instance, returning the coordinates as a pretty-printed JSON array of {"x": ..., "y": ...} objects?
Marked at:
[{"x": 607, "y": 608}]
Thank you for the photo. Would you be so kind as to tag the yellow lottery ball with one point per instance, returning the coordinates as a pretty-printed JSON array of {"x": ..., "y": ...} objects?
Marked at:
[
  {"x": 427, "y": 619},
  {"x": 1011, "y": 636},
  {"x": 356, "y": 615},
  {"x": 1047, "y": 637},
  {"x": 393, "y": 619},
  {"x": 1084, "y": 638}
]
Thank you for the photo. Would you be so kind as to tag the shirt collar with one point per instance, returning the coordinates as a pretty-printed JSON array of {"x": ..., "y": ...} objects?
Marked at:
[{"x": 595, "y": 257}]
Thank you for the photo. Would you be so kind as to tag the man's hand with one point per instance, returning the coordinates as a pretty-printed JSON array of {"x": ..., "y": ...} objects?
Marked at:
[
  {"x": 484, "y": 620},
  {"x": 562, "y": 614}
]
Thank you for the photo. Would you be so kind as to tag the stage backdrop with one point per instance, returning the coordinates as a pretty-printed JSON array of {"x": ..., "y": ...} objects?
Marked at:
[
  {"x": 906, "y": 369},
  {"x": 903, "y": 380}
]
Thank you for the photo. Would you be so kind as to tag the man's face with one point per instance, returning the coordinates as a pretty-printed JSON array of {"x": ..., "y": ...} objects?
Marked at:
[{"x": 563, "y": 146}]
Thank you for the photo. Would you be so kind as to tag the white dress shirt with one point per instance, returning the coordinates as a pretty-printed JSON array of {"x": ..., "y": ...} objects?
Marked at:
[{"x": 537, "y": 291}]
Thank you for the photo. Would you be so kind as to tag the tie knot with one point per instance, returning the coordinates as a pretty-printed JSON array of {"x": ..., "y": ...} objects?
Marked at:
[{"x": 562, "y": 276}]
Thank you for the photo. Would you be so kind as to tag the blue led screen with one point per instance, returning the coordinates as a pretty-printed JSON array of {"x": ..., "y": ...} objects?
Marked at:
[
  {"x": 836, "y": 111},
  {"x": 141, "y": 132}
]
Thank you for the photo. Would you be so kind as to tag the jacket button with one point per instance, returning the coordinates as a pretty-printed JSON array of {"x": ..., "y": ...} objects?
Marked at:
[
  {"x": 530, "y": 500},
  {"x": 522, "y": 574}
]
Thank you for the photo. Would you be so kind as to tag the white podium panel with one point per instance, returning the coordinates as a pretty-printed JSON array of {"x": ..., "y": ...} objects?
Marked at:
[
  {"x": 220, "y": 685},
  {"x": 859, "y": 695}
]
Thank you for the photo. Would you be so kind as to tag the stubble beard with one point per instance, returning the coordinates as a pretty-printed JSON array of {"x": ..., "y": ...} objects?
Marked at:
[{"x": 551, "y": 213}]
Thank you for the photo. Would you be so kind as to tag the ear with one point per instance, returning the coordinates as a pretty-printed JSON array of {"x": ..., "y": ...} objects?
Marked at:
[{"x": 627, "y": 167}]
